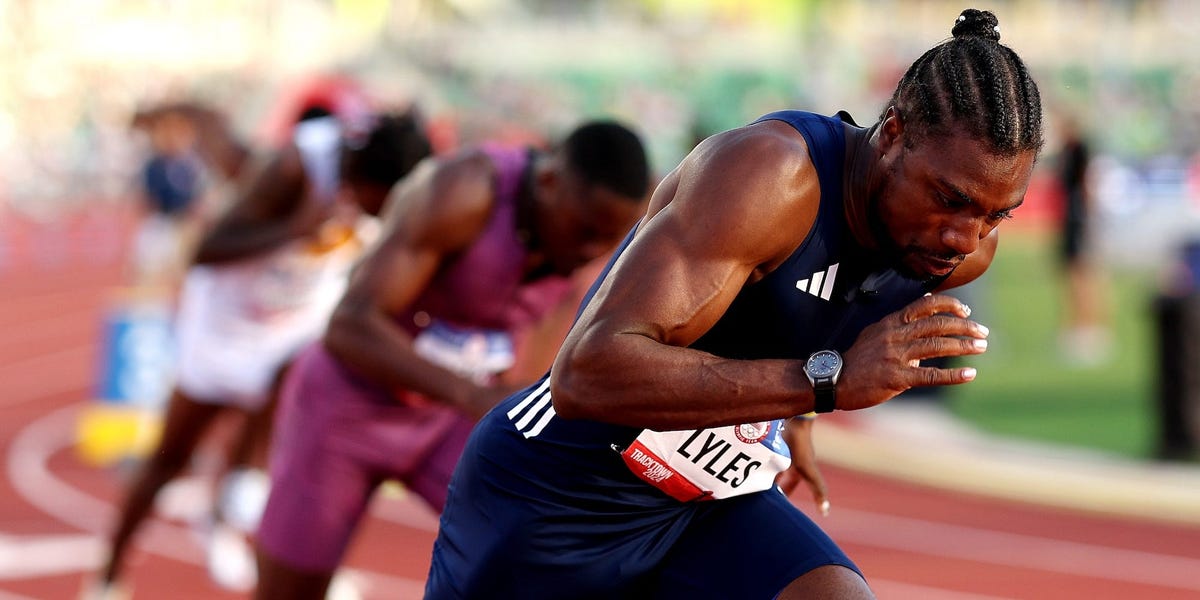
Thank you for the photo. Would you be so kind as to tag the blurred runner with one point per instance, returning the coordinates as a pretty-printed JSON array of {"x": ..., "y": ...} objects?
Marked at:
[
  {"x": 478, "y": 249},
  {"x": 262, "y": 284}
]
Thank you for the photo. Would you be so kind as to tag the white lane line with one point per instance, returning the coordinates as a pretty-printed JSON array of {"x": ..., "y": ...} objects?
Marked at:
[
  {"x": 885, "y": 588},
  {"x": 1015, "y": 550},
  {"x": 11, "y": 596},
  {"x": 24, "y": 557},
  {"x": 29, "y": 472},
  {"x": 30, "y": 476},
  {"x": 37, "y": 442}
]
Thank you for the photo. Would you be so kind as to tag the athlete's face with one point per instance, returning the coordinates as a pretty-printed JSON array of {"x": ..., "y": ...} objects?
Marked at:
[
  {"x": 583, "y": 222},
  {"x": 943, "y": 195}
]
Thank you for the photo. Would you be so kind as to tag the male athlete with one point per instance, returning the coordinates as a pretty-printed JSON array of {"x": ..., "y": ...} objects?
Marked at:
[
  {"x": 783, "y": 267},
  {"x": 263, "y": 283},
  {"x": 477, "y": 250}
]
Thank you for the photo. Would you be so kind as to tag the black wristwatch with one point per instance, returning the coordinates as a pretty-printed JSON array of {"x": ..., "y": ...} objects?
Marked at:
[{"x": 822, "y": 369}]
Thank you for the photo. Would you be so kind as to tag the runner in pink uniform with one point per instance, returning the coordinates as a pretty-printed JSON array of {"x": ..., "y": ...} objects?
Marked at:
[
  {"x": 262, "y": 284},
  {"x": 477, "y": 250}
]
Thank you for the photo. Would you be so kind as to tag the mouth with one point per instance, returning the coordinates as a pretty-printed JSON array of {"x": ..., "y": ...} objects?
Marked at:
[{"x": 937, "y": 266}]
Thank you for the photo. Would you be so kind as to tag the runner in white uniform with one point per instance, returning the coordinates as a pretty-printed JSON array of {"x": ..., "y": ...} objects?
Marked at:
[
  {"x": 262, "y": 284},
  {"x": 239, "y": 322}
]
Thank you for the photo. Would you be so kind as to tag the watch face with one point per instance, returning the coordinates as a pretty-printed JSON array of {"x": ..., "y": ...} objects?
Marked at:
[{"x": 823, "y": 364}]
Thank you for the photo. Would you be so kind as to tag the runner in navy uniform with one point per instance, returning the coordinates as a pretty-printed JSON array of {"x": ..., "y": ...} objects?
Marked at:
[{"x": 643, "y": 465}]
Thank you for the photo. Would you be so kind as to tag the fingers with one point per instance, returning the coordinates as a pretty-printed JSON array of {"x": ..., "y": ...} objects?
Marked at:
[
  {"x": 946, "y": 325},
  {"x": 790, "y": 479},
  {"x": 934, "y": 347},
  {"x": 927, "y": 306},
  {"x": 820, "y": 494},
  {"x": 929, "y": 376}
]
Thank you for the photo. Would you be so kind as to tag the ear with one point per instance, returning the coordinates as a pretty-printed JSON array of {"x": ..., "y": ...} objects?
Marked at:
[{"x": 891, "y": 129}]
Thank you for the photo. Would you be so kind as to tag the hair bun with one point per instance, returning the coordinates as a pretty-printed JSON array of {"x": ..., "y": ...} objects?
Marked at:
[{"x": 977, "y": 22}]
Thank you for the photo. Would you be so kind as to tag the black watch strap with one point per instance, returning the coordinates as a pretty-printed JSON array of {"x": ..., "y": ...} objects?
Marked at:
[{"x": 825, "y": 394}]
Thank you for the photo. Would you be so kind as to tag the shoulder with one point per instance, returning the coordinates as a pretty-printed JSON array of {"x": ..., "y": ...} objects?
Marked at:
[
  {"x": 765, "y": 163},
  {"x": 736, "y": 187},
  {"x": 446, "y": 201},
  {"x": 767, "y": 146},
  {"x": 464, "y": 184}
]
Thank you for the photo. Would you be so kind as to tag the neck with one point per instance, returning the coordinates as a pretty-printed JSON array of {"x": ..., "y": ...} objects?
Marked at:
[
  {"x": 536, "y": 264},
  {"x": 859, "y": 181},
  {"x": 527, "y": 205}
]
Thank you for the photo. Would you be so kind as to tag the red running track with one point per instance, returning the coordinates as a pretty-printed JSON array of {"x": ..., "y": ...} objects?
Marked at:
[{"x": 912, "y": 542}]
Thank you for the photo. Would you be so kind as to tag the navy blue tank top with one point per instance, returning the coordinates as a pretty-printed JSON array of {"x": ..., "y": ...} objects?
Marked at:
[
  {"x": 821, "y": 297},
  {"x": 829, "y": 289}
]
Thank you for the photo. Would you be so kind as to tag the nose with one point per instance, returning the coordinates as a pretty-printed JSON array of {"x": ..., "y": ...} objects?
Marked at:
[{"x": 962, "y": 235}]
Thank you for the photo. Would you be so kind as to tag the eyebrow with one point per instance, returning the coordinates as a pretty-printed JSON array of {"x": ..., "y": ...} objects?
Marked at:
[{"x": 965, "y": 197}]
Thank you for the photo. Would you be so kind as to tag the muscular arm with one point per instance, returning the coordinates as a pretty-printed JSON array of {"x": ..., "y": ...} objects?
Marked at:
[
  {"x": 734, "y": 210},
  {"x": 272, "y": 210},
  {"x": 435, "y": 212},
  {"x": 713, "y": 225}
]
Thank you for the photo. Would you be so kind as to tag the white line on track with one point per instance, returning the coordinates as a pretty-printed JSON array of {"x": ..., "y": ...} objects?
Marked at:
[
  {"x": 23, "y": 557},
  {"x": 32, "y": 447},
  {"x": 29, "y": 472},
  {"x": 10, "y": 596},
  {"x": 1016, "y": 550},
  {"x": 894, "y": 589},
  {"x": 30, "y": 475}
]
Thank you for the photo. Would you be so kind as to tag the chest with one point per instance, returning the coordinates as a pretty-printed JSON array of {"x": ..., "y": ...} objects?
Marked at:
[{"x": 820, "y": 298}]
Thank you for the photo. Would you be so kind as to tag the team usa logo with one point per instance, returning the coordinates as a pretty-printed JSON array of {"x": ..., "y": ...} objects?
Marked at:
[{"x": 752, "y": 433}]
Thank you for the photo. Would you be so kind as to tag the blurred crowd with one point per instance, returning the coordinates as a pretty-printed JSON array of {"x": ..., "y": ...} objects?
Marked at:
[
  {"x": 528, "y": 68},
  {"x": 144, "y": 112}
]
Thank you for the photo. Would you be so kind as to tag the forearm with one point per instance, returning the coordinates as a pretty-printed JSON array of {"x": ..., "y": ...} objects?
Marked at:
[
  {"x": 374, "y": 348},
  {"x": 230, "y": 243},
  {"x": 640, "y": 382}
]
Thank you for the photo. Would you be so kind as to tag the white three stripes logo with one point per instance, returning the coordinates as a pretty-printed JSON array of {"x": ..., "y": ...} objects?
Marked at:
[
  {"x": 821, "y": 282},
  {"x": 536, "y": 403}
]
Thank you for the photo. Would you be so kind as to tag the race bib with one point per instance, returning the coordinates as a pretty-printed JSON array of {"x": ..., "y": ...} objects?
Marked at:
[
  {"x": 710, "y": 464},
  {"x": 476, "y": 354}
]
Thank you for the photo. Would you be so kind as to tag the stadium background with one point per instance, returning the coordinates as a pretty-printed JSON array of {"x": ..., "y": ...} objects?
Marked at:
[{"x": 74, "y": 72}]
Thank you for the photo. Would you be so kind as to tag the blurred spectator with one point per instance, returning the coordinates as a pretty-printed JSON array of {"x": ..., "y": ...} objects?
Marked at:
[
  {"x": 171, "y": 183},
  {"x": 1084, "y": 338}
]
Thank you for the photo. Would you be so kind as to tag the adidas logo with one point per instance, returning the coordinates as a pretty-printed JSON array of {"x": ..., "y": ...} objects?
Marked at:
[
  {"x": 534, "y": 412},
  {"x": 820, "y": 283}
]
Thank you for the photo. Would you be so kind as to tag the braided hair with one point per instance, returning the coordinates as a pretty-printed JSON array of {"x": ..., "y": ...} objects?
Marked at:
[{"x": 972, "y": 82}]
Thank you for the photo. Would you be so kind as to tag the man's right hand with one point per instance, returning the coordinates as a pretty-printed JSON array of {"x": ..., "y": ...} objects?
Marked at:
[{"x": 885, "y": 359}]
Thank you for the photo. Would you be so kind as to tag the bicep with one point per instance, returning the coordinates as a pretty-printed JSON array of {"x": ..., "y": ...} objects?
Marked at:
[
  {"x": 669, "y": 285},
  {"x": 393, "y": 276},
  {"x": 430, "y": 216}
]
